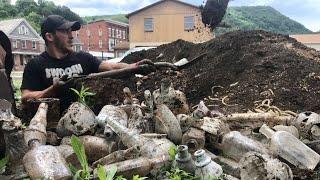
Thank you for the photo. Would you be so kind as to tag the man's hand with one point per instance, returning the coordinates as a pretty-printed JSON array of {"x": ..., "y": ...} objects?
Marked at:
[
  {"x": 147, "y": 66},
  {"x": 145, "y": 61},
  {"x": 57, "y": 83},
  {"x": 63, "y": 84}
]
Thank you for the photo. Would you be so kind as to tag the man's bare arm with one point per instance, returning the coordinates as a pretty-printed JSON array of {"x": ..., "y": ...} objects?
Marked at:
[
  {"x": 30, "y": 94},
  {"x": 49, "y": 92},
  {"x": 107, "y": 66}
]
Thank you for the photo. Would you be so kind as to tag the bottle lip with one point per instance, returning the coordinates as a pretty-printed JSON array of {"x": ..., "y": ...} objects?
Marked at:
[{"x": 201, "y": 158}]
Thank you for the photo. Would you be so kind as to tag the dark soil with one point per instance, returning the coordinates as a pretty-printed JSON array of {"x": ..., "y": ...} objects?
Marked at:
[{"x": 243, "y": 67}]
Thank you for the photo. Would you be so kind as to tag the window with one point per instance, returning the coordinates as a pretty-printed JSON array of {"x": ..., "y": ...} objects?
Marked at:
[
  {"x": 188, "y": 23},
  {"x": 124, "y": 34},
  {"x": 109, "y": 31},
  {"x": 77, "y": 33},
  {"x": 148, "y": 24},
  {"x": 88, "y": 33},
  {"x": 100, "y": 32},
  {"x": 15, "y": 44},
  {"x": 111, "y": 44},
  {"x": 26, "y": 31},
  {"x": 120, "y": 33},
  {"x": 117, "y": 33},
  {"x": 100, "y": 43},
  {"x": 23, "y": 30},
  {"x": 113, "y": 33},
  {"x": 24, "y": 44},
  {"x": 34, "y": 44}
]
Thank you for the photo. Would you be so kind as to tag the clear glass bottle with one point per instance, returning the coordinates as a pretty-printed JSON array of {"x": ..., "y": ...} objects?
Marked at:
[{"x": 291, "y": 149}]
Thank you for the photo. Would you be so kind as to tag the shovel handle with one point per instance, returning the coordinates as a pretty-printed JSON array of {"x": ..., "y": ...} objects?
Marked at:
[{"x": 120, "y": 72}]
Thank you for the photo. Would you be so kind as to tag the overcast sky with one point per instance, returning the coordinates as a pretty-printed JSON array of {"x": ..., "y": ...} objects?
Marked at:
[{"x": 307, "y": 12}]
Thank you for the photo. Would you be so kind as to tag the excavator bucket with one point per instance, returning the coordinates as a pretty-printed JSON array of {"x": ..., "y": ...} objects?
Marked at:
[{"x": 213, "y": 12}]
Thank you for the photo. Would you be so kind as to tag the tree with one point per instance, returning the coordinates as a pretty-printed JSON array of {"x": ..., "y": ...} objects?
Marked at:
[
  {"x": 5, "y": 1},
  {"x": 67, "y": 13},
  {"x": 8, "y": 10},
  {"x": 46, "y": 8},
  {"x": 34, "y": 20},
  {"x": 25, "y": 7}
]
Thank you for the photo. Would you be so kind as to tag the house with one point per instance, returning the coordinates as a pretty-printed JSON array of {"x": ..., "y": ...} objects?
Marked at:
[
  {"x": 310, "y": 40},
  {"x": 99, "y": 37},
  {"x": 166, "y": 21},
  {"x": 26, "y": 42}
]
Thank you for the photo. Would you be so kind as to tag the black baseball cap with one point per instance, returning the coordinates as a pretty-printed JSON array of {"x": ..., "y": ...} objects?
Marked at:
[{"x": 56, "y": 22}]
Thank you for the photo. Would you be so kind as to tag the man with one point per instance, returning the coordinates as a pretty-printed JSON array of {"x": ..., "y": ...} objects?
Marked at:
[{"x": 40, "y": 74}]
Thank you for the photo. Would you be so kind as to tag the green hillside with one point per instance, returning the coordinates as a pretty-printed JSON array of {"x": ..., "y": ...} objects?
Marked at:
[
  {"x": 116, "y": 17},
  {"x": 244, "y": 18},
  {"x": 260, "y": 17}
]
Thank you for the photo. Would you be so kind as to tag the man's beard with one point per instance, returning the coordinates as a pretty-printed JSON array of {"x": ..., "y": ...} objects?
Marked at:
[{"x": 59, "y": 45}]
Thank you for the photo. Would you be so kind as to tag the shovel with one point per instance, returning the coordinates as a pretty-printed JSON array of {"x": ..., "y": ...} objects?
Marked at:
[{"x": 120, "y": 73}]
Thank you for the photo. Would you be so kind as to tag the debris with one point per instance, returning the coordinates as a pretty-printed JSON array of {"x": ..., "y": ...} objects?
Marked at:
[
  {"x": 174, "y": 99},
  {"x": 291, "y": 149},
  {"x": 258, "y": 166},
  {"x": 116, "y": 114},
  {"x": 213, "y": 126},
  {"x": 255, "y": 120},
  {"x": 53, "y": 138},
  {"x": 79, "y": 119},
  {"x": 194, "y": 139},
  {"x": 307, "y": 124}
]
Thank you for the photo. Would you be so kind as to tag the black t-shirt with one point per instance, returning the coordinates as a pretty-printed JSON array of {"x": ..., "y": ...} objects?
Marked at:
[{"x": 40, "y": 71}]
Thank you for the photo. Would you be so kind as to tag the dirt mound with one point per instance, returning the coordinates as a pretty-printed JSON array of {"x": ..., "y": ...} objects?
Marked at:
[{"x": 238, "y": 71}]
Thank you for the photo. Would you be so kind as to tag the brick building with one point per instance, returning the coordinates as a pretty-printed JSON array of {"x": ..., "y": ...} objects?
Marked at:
[
  {"x": 99, "y": 37},
  {"x": 26, "y": 42}
]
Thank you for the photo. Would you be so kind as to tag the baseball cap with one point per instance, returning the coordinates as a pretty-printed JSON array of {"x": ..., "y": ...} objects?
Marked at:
[{"x": 56, "y": 22}]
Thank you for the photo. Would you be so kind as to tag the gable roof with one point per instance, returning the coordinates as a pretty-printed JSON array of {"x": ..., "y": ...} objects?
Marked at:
[
  {"x": 159, "y": 2},
  {"x": 7, "y": 26},
  {"x": 307, "y": 38}
]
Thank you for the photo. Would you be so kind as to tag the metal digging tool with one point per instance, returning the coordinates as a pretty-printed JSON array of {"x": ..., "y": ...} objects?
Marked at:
[{"x": 125, "y": 72}]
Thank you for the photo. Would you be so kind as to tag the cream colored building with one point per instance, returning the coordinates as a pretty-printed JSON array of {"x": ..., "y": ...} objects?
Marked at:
[
  {"x": 166, "y": 21},
  {"x": 310, "y": 40}
]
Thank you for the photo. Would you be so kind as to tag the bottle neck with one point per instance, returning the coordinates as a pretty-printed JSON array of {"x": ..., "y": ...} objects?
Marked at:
[{"x": 267, "y": 131}]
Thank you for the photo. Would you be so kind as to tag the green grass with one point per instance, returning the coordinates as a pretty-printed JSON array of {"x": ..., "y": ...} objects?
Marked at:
[{"x": 16, "y": 88}]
